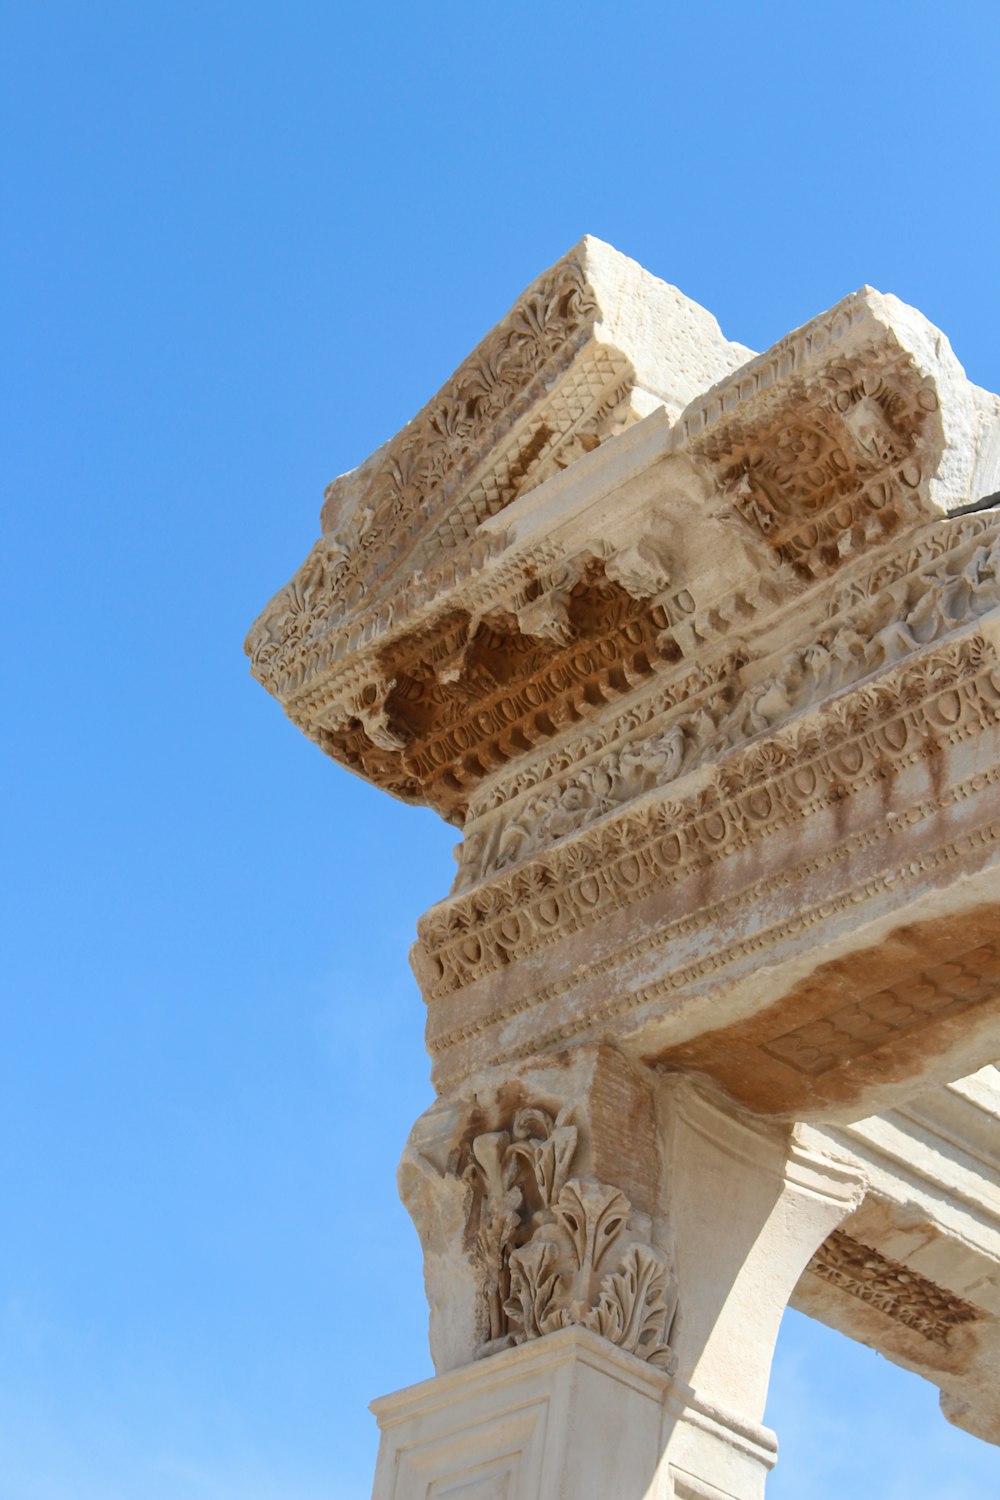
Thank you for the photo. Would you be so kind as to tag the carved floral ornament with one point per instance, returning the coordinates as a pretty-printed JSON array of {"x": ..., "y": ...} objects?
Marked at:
[
  {"x": 840, "y": 468},
  {"x": 892, "y": 1288},
  {"x": 716, "y": 712},
  {"x": 948, "y": 694},
  {"x": 401, "y": 488},
  {"x": 555, "y": 1250},
  {"x": 372, "y": 515}
]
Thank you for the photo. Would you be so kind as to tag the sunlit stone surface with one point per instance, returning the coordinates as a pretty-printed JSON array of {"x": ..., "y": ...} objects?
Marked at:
[{"x": 699, "y": 651}]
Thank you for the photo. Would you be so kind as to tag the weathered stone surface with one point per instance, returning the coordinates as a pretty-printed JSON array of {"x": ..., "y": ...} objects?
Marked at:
[
  {"x": 915, "y": 1271},
  {"x": 536, "y": 1198},
  {"x": 700, "y": 650},
  {"x": 524, "y": 1242},
  {"x": 382, "y": 636}
]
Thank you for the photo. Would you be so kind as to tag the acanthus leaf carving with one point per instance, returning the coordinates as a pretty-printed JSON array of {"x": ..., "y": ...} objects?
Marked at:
[{"x": 556, "y": 1251}]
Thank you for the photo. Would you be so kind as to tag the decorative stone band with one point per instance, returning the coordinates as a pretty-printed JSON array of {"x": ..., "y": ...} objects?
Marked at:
[
  {"x": 730, "y": 699},
  {"x": 314, "y": 666},
  {"x": 598, "y": 1018},
  {"x": 936, "y": 557},
  {"x": 299, "y": 644},
  {"x": 942, "y": 695},
  {"x": 892, "y": 1288}
]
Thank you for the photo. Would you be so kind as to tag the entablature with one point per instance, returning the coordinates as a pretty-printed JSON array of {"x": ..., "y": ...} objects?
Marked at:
[
  {"x": 700, "y": 650},
  {"x": 434, "y": 633}
]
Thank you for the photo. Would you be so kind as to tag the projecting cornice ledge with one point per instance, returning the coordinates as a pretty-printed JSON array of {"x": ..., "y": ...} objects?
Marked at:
[
  {"x": 699, "y": 649},
  {"x": 603, "y": 485}
]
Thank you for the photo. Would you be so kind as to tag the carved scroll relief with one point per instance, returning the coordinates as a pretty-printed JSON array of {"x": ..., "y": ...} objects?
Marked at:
[{"x": 557, "y": 1250}]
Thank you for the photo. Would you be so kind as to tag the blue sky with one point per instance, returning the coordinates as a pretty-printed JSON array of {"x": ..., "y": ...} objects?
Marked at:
[{"x": 243, "y": 243}]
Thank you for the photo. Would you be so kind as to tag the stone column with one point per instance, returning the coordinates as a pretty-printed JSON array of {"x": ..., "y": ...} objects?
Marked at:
[{"x": 609, "y": 1252}]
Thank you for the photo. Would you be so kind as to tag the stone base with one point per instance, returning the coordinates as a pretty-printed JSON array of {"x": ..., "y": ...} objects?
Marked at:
[
  {"x": 567, "y": 1416},
  {"x": 712, "y": 1453}
]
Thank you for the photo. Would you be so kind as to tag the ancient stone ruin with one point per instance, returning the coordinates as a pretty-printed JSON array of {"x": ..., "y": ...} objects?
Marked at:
[{"x": 700, "y": 650}]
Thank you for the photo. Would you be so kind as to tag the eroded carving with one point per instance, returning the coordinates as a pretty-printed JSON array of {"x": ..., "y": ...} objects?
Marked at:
[
  {"x": 881, "y": 630},
  {"x": 894, "y": 1289},
  {"x": 557, "y": 1250},
  {"x": 942, "y": 695},
  {"x": 838, "y": 471},
  {"x": 467, "y": 695}
]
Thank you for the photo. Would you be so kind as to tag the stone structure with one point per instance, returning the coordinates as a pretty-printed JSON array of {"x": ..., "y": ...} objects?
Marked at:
[{"x": 701, "y": 652}]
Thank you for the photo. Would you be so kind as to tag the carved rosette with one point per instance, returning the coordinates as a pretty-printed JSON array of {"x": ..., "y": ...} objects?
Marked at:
[{"x": 556, "y": 1250}]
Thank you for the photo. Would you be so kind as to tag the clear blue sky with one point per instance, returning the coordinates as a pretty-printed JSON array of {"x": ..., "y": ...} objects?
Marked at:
[{"x": 243, "y": 243}]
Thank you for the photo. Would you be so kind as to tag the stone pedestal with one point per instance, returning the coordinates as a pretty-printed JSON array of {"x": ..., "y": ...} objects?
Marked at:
[{"x": 566, "y": 1416}]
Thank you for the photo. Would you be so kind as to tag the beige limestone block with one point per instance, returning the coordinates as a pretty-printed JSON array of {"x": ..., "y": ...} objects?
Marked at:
[
  {"x": 569, "y": 1416},
  {"x": 590, "y": 346}
]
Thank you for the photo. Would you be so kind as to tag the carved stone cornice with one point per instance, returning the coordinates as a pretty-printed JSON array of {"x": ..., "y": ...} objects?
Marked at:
[
  {"x": 827, "y": 446},
  {"x": 948, "y": 578},
  {"x": 940, "y": 696},
  {"x": 570, "y": 365},
  {"x": 698, "y": 668}
]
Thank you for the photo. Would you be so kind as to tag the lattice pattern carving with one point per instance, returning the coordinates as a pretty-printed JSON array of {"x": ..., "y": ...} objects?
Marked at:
[{"x": 946, "y": 989}]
